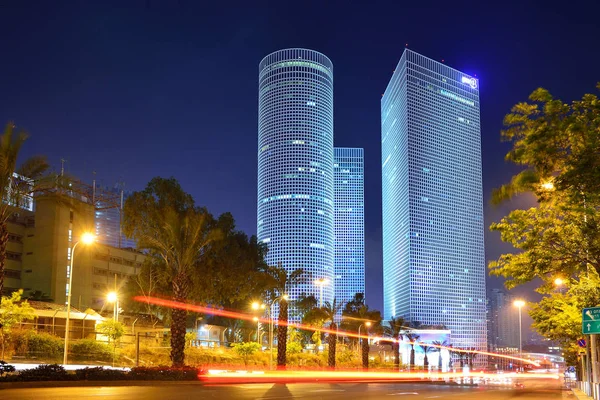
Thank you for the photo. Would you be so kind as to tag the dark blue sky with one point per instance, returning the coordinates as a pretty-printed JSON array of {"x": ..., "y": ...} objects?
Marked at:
[{"x": 136, "y": 89}]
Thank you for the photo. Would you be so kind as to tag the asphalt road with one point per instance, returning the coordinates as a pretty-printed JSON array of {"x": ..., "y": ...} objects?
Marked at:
[{"x": 538, "y": 389}]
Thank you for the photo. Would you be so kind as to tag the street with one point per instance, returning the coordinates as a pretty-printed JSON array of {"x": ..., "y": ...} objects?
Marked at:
[{"x": 545, "y": 389}]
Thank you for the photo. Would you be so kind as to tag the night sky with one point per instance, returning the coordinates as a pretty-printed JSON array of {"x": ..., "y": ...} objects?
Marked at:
[{"x": 136, "y": 89}]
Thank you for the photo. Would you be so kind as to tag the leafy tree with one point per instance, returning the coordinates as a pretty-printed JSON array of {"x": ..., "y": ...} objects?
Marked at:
[
  {"x": 246, "y": 350},
  {"x": 14, "y": 190},
  {"x": 558, "y": 144},
  {"x": 164, "y": 220},
  {"x": 279, "y": 281},
  {"x": 13, "y": 311},
  {"x": 354, "y": 316},
  {"x": 113, "y": 330},
  {"x": 394, "y": 330}
]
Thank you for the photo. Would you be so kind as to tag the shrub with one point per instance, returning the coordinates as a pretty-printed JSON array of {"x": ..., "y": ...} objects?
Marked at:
[
  {"x": 305, "y": 360},
  {"x": 90, "y": 350},
  {"x": 6, "y": 368},
  {"x": 293, "y": 348},
  {"x": 246, "y": 350},
  {"x": 163, "y": 373},
  {"x": 45, "y": 372},
  {"x": 100, "y": 374},
  {"x": 32, "y": 344}
]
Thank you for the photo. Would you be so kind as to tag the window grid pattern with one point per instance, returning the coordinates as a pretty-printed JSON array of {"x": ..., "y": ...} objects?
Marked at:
[
  {"x": 433, "y": 250},
  {"x": 295, "y": 215},
  {"x": 348, "y": 175}
]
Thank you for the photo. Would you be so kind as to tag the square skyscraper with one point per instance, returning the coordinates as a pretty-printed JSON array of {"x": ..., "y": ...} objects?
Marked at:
[
  {"x": 433, "y": 250},
  {"x": 349, "y": 225}
]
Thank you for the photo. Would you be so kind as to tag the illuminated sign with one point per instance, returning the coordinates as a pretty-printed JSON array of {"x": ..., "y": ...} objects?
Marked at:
[{"x": 470, "y": 81}]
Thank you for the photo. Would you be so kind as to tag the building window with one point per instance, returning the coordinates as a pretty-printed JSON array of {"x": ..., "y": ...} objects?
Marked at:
[{"x": 13, "y": 256}]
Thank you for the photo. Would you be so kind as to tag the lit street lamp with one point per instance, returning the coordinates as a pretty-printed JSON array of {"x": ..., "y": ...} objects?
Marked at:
[
  {"x": 113, "y": 297},
  {"x": 86, "y": 238},
  {"x": 519, "y": 304},
  {"x": 367, "y": 324},
  {"x": 321, "y": 282}
]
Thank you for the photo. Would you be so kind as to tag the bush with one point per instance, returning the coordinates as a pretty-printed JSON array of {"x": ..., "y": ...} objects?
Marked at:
[
  {"x": 100, "y": 374},
  {"x": 32, "y": 344},
  {"x": 305, "y": 360},
  {"x": 46, "y": 372},
  {"x": 90, "y": 350},
  {"x": 163, "y": 374},
  {"x": 6, "y": 368}
]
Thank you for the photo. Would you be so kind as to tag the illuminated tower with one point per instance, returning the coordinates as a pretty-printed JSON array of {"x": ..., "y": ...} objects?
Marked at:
[
  {"x": 433, "y": 250},
  {"x": 295, "y": 165}
]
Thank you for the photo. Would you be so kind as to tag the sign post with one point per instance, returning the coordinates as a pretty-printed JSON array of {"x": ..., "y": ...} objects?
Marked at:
[{"x": 591, "y": 321}]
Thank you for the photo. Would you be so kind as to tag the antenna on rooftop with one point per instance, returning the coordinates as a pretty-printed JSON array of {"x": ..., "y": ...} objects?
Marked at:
[{"x": 62, "y": 166}]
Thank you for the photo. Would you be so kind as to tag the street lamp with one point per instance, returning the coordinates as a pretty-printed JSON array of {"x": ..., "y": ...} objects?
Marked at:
[
  {"x": 257, "y": 329},
  {"x": 519, "y": 304},
  {"x": 548, "y": 186},
  {"x": 320, "y": 283},
  {"x": 86, "y": 238},
  {"x": 368, "y": 325},
  {"x": 558, "y": 282},
  {"x": 283, "y": 297},
  {"x": 113, "y": 297}
]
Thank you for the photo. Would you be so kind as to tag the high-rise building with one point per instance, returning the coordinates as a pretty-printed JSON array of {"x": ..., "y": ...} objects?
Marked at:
[
  {"x": 109, "y": 217},
  {"x": 433, "y": 250},
  {"x": 349, "y": 209},
  {"x": 295, "y": 215}
]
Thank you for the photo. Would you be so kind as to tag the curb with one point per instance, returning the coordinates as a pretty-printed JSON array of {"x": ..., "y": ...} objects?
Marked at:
[
  {"x": 580, "y": 395},
  {"x": 56, "y": 384}
]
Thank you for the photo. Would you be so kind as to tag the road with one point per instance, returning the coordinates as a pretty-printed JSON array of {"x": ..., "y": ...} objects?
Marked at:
[{"x": 533, "y": 389}]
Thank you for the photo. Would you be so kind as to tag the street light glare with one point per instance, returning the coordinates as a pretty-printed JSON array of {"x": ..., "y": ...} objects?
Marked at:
[
  {"x": 558, "y": 281},
  {"x": 88, "y": 238},
  {"x": 548, "y": 186},
  {"x": 321, "y": 281},
  {"x": 255, "y": 319},
  {"x": 285, "y": 297},
  {"x": 255, "y": 306},
  {"x": 112, "y": 297},
  {"x": 519, "y": 303},
  {"x": 368, "y": 323}
]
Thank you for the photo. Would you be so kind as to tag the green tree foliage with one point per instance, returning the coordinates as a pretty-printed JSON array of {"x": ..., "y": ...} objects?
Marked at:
[
  {"x": 164, "y": 220},
  {"x": 558, "y": 144},
  {"x": 14, "y": 190},
  {"x": 113, "y": 330},
  {"x": 355, "y": 315},
  {"x": 326, "y": 315},
  {"x": 246, "y": 350},
  {"x": 13, "y": 311}
]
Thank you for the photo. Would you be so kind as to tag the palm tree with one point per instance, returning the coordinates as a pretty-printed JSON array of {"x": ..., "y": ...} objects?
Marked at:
[
  {"x": 412, "y": 338},
  {"x": 280, "y": 281},
  {"x": 439, "y": 345},
  {"x": 330, "y": 312},
  {"x": 394, "y": 330},
  {"x": 426, "y": 350},
  {"x": 470, "y": 354},
  {"x": 164, "y": 220},
  {"x": 14, "y": 189},
  {"x": 355, "y": 316}
]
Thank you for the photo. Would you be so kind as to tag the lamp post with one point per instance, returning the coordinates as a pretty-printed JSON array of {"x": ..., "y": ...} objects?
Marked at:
[
  {"x": 320, "y": 283},
  {"x": 367, "y": 324},
  {"x": 113, "y": 297},
  {"x": 86, "y": 238},
  {"x": 519, "y": 304},
  {"x": 283, "y": 297}
]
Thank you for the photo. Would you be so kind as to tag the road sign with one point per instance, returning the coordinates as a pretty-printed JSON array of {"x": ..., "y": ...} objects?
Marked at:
[
  {"x": 591, "y": 321},
  {"x": 581, "y": 342}
]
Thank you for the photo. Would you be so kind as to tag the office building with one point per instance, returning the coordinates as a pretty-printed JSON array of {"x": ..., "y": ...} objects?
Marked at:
[
  {"x": 109, "y": 216},
  {"x": 295, "y": 212},
  {"x": 349, "y": 211},
  {"x": 433, "y": 251}
]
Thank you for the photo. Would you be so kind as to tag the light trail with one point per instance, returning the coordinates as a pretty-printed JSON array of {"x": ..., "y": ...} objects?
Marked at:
[{"x": 249, "y": 317}]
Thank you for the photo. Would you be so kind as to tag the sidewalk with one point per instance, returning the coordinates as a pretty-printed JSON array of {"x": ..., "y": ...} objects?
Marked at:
[{"x": 580, "y": 395}]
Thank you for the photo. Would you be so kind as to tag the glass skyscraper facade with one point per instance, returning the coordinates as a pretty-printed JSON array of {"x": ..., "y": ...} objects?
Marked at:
[
  {"x": 295, "y": 215},
  {"x": 433, "y": 249},
  {"x": 349, "y": 209},
  {"x": 108, "y": 218}
]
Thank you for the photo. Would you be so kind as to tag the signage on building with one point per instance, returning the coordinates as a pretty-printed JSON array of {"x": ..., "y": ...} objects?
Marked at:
[{"x": 469, "y": 81}]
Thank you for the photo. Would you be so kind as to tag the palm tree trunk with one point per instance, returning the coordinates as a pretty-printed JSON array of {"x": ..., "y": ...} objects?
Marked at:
[
  {"x": 178, "y": 321},
  {"x": 425, "y": 361},
  {"x": 3, "y": 242},
  {"x": 397, "y": 356},
  {"x": 440, "y": 360},
  {"x": 282, "y": 335},
  {"x": 412, "y": 357},
  {"x": 365, "y": 353},
  {"x": 332, "y": 340}
]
